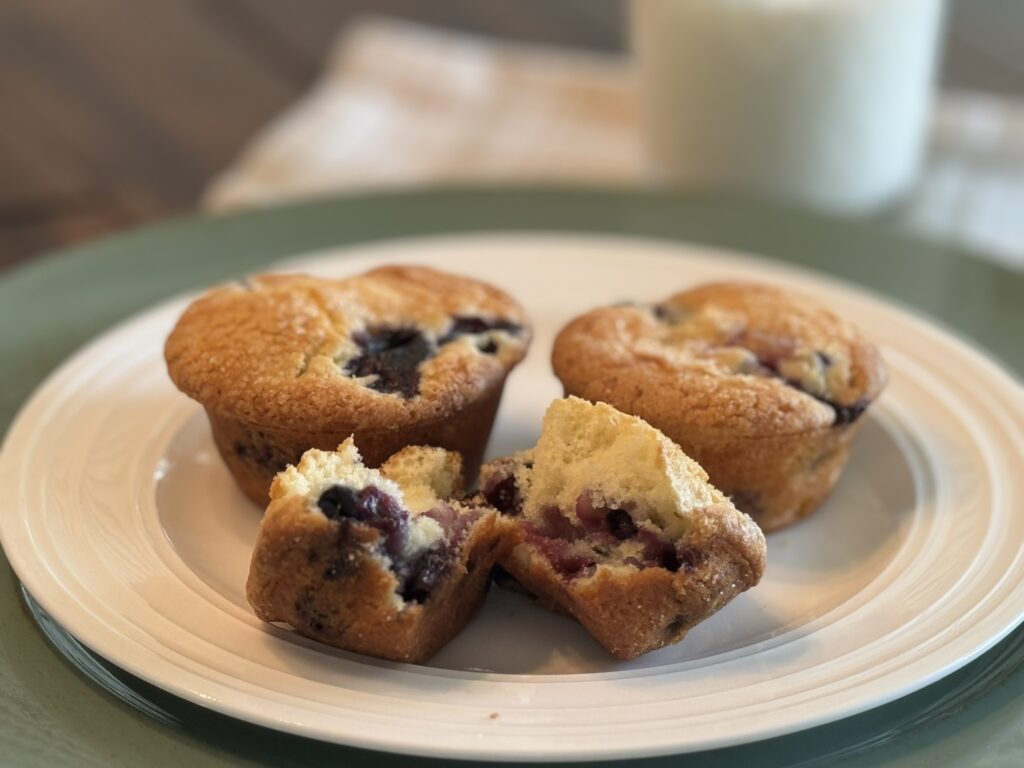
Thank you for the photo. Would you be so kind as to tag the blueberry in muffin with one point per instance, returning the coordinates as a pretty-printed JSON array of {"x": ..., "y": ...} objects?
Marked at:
[
  {"x": 397, "y": 356},
  {"x": 387, "y": 562},
  {"x": 620, "y": 529},
  {"x": 765, "y": 389}
]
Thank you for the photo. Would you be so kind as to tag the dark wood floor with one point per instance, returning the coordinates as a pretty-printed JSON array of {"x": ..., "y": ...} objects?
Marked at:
[{"x": 117, "y": 112}]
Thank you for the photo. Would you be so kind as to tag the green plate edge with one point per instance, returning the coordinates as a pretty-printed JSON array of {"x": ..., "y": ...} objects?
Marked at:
[{"x": 51, "y": 709}]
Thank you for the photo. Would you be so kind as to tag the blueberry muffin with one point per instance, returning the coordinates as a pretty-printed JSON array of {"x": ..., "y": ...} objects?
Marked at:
[
  {"x": 383, "y": 562},
  {"x": 397, "y": 356},
  {"x": 620, "y": 529},
  {"x": 763, "y": 388}
]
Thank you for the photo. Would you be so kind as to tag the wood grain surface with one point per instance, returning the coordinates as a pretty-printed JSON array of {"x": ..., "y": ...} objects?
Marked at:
[{"x": 116, "y": 113}]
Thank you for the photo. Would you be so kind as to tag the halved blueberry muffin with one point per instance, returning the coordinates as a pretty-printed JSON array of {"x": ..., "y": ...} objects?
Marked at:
[
  {"x": 397, "y": 356},
  {"x": 385, "y": 562},
  {"x": 620, "y": 529},
  {"x": 764, "y": 388}
]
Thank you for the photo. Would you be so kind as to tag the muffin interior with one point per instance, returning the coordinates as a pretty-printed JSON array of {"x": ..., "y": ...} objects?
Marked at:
[
  {"x": 601, "y": 489},
  {"x": 409, "y": 503}
]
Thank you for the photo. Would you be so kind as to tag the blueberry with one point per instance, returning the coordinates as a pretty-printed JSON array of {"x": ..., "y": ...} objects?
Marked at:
[
  {"x": 383, "y": 512},
  {"x": 558, "y": 526},
  {"x": 393, "y": 355},
  {"x": 847, "y": 414},
  {"x": 844, "y": 414},
  {"x": 620, "y": 524},
  {"x": 377, "y": 340},
  {"x": 337, "y": 502},
  {"x": 504, "y": 496},
  {"x": 669, "y": 561},
  {"x": 373, "y": 507},
  {"x": 463, "y": 325},
  {"x": 563, "y": 557},
  {"x": 591, "y": 519},
  {"x": 426, "y": 574},
  {"x": 658, "y": 551},
  {"x": 370, "y": 506}
]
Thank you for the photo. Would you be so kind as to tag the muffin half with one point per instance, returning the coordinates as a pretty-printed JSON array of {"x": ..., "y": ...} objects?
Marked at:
[
  {"x": 388, "y": 563},
  {"x": 397, "y": 356},
  {"x": 763, "y": 388},
  {"x": 620, "y": 529}
]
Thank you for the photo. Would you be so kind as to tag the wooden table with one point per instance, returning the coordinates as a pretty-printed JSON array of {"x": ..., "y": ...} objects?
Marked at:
[{"x": 118, "y": 112}]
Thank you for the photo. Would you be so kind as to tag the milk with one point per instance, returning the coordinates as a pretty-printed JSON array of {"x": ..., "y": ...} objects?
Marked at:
[{"x": 820, "y": 102}]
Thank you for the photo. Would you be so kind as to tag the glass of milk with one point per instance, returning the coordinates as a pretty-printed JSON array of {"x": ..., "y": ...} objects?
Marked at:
[{"x": 817, "y": 102}]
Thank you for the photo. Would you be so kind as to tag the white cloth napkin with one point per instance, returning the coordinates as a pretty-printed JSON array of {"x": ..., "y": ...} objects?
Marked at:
[{"x": 400, "y": 104}]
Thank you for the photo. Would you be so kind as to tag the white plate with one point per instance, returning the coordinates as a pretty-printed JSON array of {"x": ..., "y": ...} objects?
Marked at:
[{"x": 120, "y": 519}]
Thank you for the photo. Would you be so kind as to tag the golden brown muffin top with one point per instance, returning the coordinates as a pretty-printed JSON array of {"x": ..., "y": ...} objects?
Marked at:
[
  {"x": 746, "y": 358},
  {"x": 394, "y": 346}
]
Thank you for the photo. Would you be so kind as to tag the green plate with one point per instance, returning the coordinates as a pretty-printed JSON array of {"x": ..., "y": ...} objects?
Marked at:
[{"x": 61, "y": 705}]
